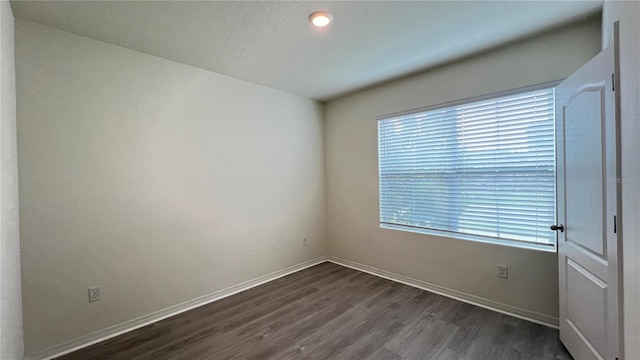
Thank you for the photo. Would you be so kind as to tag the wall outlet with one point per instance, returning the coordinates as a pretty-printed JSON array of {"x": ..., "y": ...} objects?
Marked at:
[
  {"x": 503, "y": 271},
  {"x": 304, "y": 242},
  {"x": 94, "y": 294}
]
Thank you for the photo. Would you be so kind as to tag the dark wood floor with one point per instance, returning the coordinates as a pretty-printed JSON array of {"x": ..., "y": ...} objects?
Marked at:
[{"x": 332, "y": 312}]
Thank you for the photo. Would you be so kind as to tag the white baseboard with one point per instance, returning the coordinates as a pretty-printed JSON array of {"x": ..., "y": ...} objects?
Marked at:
[
  {"x": 514, "y": 311},
  {"x": 130, "y": 325},
  {"x": 118, "y": 329}
]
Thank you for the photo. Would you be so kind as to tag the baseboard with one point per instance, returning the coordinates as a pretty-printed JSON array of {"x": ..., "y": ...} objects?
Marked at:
[
  {"x": 524, "y": 314},
  {"x": 130, "y": 325}
]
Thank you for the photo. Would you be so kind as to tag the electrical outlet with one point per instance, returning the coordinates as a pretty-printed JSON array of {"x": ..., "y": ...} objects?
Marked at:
[
  {"x": 94, "y": 294},
  {"x": 304, "y": 242},
  {"x": 503, "y": 271}
]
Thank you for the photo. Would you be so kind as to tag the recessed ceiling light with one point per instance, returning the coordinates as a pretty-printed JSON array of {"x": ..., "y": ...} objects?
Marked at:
[{"x": 320, "y": 18}]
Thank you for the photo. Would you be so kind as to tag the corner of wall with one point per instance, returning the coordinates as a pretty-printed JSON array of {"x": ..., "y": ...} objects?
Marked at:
[{"x": 11, "y": 339}]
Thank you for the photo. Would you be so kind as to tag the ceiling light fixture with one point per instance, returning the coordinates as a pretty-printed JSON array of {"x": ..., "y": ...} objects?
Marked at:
[{"x": 320, "y": 18}]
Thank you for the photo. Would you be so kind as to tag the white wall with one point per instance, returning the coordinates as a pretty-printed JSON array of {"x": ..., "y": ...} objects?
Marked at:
[
  {"x": 10, "y": 297},
  {"x": 628, "y": 13},
  {"x": 352, "y": 175},
  {"x": 158, "y": 181}
]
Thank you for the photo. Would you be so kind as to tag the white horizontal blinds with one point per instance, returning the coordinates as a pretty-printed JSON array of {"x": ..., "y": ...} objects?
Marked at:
[{"x": 484, "y": 168}]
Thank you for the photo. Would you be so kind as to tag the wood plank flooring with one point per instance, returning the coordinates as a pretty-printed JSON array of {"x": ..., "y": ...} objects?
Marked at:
[{"x": 333, "y": 312}]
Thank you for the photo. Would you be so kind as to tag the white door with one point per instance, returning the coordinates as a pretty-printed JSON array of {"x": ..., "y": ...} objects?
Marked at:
[{"x": 587, "y": 191}]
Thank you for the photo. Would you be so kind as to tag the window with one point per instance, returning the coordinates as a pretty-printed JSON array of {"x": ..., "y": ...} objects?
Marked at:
[{"x": 481, "y": 170}]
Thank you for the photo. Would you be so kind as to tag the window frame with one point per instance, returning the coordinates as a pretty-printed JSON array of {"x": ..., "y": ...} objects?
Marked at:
[{"x": 457, "y": 235}]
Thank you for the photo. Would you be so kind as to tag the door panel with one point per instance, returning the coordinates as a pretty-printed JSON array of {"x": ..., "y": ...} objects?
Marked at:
[
  {"x": 588, "y": 198},
  {"x": 583, "y": 124},
  {"x": 586, "y": 291}
]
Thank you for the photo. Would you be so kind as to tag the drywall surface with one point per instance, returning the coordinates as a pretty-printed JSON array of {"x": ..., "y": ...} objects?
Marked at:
[
  {"x": 158, "y": 181},
  {"x": 352, "y": 173},
  {"x": 10, "y": 296},
  {"x": 628, "y": 13}
]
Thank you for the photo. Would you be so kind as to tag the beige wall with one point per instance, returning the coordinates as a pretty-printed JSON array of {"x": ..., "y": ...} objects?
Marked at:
[
  {"x": 158, "y": 181},
  {"x": 352, "y": 180},
  {"x": 10, "y": 297},
  {"x": 628, "y": 13}
]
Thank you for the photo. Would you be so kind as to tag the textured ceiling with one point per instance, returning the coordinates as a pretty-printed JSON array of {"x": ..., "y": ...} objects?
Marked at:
[{"x": 272, "y": 43}]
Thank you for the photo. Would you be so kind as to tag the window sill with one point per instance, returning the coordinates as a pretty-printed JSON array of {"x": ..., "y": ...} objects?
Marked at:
[{"x": 476, "y": 238}]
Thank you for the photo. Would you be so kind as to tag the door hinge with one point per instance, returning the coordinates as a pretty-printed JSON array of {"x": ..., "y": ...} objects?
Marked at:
[
  {"x": 615, "y": 224},
  {"x": 613, "y": 82}
]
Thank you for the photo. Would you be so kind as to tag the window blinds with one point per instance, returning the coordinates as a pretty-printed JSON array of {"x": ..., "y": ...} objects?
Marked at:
[{"x": 485, "y": 168}]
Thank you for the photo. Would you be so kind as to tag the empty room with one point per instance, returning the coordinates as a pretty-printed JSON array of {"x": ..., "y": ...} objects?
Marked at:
[{"x": 427, "y": 180}]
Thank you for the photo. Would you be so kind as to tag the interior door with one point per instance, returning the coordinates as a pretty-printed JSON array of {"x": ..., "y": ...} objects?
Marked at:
[{"x": 587, "y": 134}]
